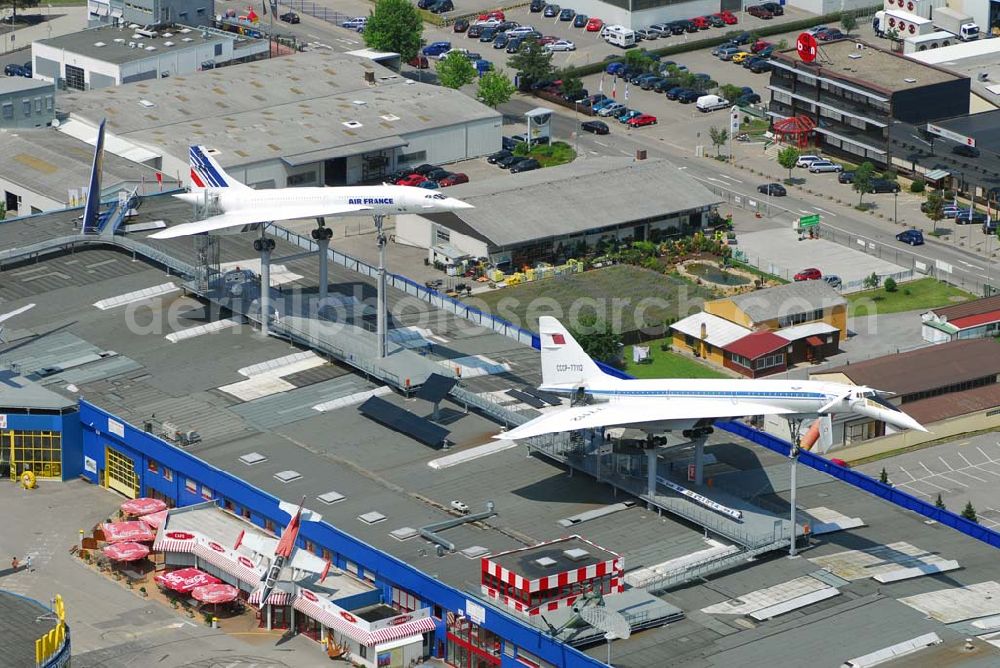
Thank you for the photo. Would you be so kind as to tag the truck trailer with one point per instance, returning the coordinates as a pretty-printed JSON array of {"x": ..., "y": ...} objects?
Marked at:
[{"x": 958, "y": 24}]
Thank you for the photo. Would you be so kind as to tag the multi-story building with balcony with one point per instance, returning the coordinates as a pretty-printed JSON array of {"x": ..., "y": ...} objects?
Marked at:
[{"x": 853, "y": 92}]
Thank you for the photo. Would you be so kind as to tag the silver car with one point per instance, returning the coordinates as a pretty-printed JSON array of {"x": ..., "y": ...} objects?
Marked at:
[
  {"x": 820, "y": 166},
  {"x": 646, "y": 34}
]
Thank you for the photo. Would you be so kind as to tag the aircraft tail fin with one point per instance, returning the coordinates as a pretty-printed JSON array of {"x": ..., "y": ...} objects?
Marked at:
[
  {"x": 206, "y": 172},
  {"x": 564, "y": 362},
  {"x": 92, "y": 211},
  {"x": 307, "y": 515}
]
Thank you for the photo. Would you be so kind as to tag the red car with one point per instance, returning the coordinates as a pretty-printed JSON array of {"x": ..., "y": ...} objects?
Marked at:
[
  {"x": 641, "y": 120},
  {"x": 414, "y": 180},
  {"x": 595, "y": 25},
  {"x": 727, "y": 17},
  {"x": 760, "y": 11},
  {"x": 453, "y": 180},
  {"x": 759, "y": 46},
  {"x": 811, "y": 274},
  {"x": 701, "y": 22},
  {"x": 495, "y": 14},
  {"x": 419, "y": 61},
  {"x": 547, "y": 39}
]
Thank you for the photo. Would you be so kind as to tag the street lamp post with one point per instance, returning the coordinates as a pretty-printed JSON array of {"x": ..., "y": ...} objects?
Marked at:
[{"x": 895, "y": 207}]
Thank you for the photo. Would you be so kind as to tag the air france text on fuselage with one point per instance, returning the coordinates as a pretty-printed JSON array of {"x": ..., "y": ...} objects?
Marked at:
[{"x": 369, "y": 200}]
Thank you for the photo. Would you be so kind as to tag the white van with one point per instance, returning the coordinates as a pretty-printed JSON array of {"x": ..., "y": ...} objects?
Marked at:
[
  {"x": 707, "y": 103},
  {"x": 619, "y": 36}
]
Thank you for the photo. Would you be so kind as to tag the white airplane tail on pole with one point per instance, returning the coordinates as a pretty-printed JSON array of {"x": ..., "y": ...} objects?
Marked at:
[{"x": 564, "y": 363}]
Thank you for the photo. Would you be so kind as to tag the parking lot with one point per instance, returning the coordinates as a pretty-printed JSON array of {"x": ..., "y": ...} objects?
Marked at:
[{"x": 961, "y": 471}]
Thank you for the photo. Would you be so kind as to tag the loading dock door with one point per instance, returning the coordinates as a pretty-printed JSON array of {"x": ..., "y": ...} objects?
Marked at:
[{"x": 120, "y": 474}]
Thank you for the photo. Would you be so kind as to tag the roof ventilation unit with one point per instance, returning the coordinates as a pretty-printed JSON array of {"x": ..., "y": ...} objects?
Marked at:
[
  {"x": 545, "y": 562},
  {"x": 576, "y": 554}
]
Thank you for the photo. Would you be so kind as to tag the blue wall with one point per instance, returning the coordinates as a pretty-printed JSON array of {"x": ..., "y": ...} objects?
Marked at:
[
  {"x": 67, "y": 424},
  {"x": 141, "y": 446}
]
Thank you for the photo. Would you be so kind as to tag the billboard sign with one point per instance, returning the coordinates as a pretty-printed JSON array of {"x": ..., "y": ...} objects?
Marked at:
[{"x": 948, "y": 134}]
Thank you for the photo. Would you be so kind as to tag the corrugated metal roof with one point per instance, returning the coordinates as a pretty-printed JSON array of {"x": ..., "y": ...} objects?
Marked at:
[
  {"x": 953, "y": 404},
  {"x": 782, "y": 300},
  {"x": 580, "y": 196},
  {"x": 965, "y": 309},
  {"x": 927, "y": 368},
  {"x": 719, "y": 331}
]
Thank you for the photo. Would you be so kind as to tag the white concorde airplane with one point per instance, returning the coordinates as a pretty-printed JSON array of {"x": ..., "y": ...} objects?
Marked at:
[
  {"x": 241, "y": 205},
  {"x": 670, "y": 404}
]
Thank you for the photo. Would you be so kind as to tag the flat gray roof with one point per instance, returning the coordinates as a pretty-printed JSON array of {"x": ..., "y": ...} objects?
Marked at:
[
  {"x": 20, "y": 393},
  {"x": 296, "y": 105},
  {"x": 797, "y": 297},
  {"x": 585, "y": 194},
  {"x": 49, "y": 162},
  {"x": 22, "y": 622},
  {"x": 85, "y": 42},
  {"x": 21, "y": 84}
]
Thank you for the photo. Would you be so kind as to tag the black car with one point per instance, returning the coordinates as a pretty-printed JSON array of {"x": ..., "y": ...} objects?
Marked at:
[
  {"x": 677, "y": 27},
  {"x": 567, "y": 14},
  {"x": 499, "y": 155},
  {"x": 461, "y": 25},
  {"x": 13, "y": 70},
  {"x": 975, "y": 218},
  {"x": 665, "y": 84},
  {"x": 437, "y": 174},
  {"x": 442, "y": 6},
  {"x": 965, "y": 151},
  {"x": 475, "y": 31},
  {"x": 509, "y": 161},
  {"x": 689, "y": 26},
  {"x": 551, "y": 11},
  {"x": 597, "y": 127},
  {"x": 650, "y": 83},
  {"x": 846, "y": 177},
  {"x": 501, "y": 41},
  {"x": 715, "y": 21},
  {"x": 525, "y": 165},
  {"x": 753, "y": 60},
  {"x": 489, "y": 34},
  {"x": 744, "y": 100},
  {"x": 741, "y": 38},
  {"x": 514, "y": 45},
  {"x": 289, "y": 17},
  {"x": 773, "y": 7},
  {"x": 674, "y": 92},
  {"x": 580, "y": 21},
  {"x": 508, "y": 143},
  {"x": 760, "y": 65},
  {"x": 688, "y": 96},
  {"x": 577, "y": 96},
  {"x": 392, "y": 177},
  {"x": 884, "y": 186},
  {"x": 773, "y": 189},
  {"x": 537, "y": 6},
  {"x": 423, "y": 169}
]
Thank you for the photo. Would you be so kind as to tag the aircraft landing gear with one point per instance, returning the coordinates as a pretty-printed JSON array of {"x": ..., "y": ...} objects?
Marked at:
[{"x": 698, "y": 432}]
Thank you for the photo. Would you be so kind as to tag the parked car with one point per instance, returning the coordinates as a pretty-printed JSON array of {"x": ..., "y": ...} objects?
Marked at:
[
  {"x": 646, "y": 33},
  {"x": 514, "y": 44},
  {"x": 596, "y": 127},
  {"x": 460, "y": 506},
  {"x": 811, "y": 274},
  {"x": 773, "y": 7},
  {"x": 688, "y": 96},
  {"x": 551, "y": 11},
  {"x": 435, "y": 49},
  {"x": 489, "y": 34},
  {"x": 823, "y": 166},
  {"x": 419, "y": 61},
  {"x": 520, "y": 139},
  {"x": 355, "y": 23},
  {"x": 509, "y": 161},
  {"x": 453, "y": 179},
  {"x": 912, "y": 237},
  {"x": 773, "y": 189},
  {"x": 612, "y": 109},
  {"x": 742, "y": 38},
  {"x": 560, "y": 45},
  {"x": 727, "y": 17},
  {"x": 461, "y": 25},
  {"x": 701, "y": 22},
  {"x": 442, "y": 6},
  {"x": 488, "y": 21},
  {"x": 493, "y": 157},
  {"x": 642, "y": 120},
  {"x": 884, "y": 186},
  {"x": 537, "y": 6},
  {"x": 846, "y": 177},
  {"x": 525, "y": 165},
  {"x": 580, "y": 20},
  {"x": 411, "y": 180},
  {"x": 727, "y": 52},
  {"x": 424, "y": 169},
  {"x": 501, "y": 41},
  {"x": 615, "y": 68},
  {"x": 990, "y": 227},
  {"x": 665, "y": 84},
  {"x": 437, "y": 173},
  {"x": 674, "y": 92},
  {"x": 806, "y": 160},
  {"x": 759, "y": 65},
  {"x": 577, "y": 96},
  {"x": 567, "y": 14},
  {"x": 971, "y": 218},
  {"x": 628, "y": 115},
  {"x": 475, "y": 31},
  {"x": 740, "y": 56},
  {"x": 760, "y": 11},
  {"x": 715, "y": 21},
  {"x": 519, "y": 31},
  {"x": 815, "y": 30},
  {"x": 744, "y": 100},
  {"x": 290, "y": 17},
  {"x": 833, "y": 280},
  {"x": 759, "y": 46},
  {"x": 591, "y": 100},
  {"x": 428, "y": 185},
  {"x": 508, "y": 143},
  {"x": 830, "y": 35},
  {"x": 965, "y": 151},
  {"x": 13, "y": 70},
  {"x": 594, "y": 25},
  {"x": 650, "y": 83}
]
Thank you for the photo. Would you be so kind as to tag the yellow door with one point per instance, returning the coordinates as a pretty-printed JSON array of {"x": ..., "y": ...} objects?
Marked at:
[{"x": 120, "y": 473}]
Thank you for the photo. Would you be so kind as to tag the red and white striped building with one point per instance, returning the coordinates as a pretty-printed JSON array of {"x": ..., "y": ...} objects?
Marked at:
[{"x": 551, "y": 575}]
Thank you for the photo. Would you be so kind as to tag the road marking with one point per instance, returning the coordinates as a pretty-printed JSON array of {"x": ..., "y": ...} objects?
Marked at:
[
  {"x": 805, "y": 212},
  {"x": 944, "y": 477},
  {"x": 946, "y": 463},
  {"x": 600, "y": 143},
  {"x": 931, "y": 473},
  {"x": 963, "y": 472},
  {"x": 728, "y": 177},
  {"x": 970, "y": 265},
  {"x": 709, "y": 178},
  {"x": 907, "y": 473},
  {"x": 965, "y": 460},
  {"x": 826, "y": 212}
]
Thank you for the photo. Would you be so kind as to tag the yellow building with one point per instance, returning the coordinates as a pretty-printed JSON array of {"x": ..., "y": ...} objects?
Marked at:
[{"x": 784, "y": 306}]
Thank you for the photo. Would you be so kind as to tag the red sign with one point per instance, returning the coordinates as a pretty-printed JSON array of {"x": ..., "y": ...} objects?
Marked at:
[
  {"x": 309, "y": 595},
  {"x": 348, "y": 616},
  {"x": 216, "y": 547},
  {"x": 246, "y": 562},
  {"x": 691, "y": 473},
  {"x": 402, "y": 619},
  {"x": 806, "y": 46},
  {"x": 180, "y": 535}
]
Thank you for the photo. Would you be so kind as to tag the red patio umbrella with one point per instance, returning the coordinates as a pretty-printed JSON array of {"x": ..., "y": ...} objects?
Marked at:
[
  {"x": 155, "y": 520},
  {"x": 143, "y": 506},
  {"x": 120, "y": 532},
  {"x": 215, "y": 593},
  {"x": 125, "y": 551},
  {"x": 184, "y": 580}
]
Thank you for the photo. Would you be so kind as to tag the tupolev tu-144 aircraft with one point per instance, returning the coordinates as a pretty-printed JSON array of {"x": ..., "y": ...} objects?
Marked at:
[
  {"x": 672, "y": 404},
  {"x": 241, "y": 205}
]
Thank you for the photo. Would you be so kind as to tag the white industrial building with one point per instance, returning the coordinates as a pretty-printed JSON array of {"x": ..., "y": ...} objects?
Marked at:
[
  {"x": 520, "y": 219},
  {"x": 109, "y": 56},
  {"x": 302, "y": 120}
]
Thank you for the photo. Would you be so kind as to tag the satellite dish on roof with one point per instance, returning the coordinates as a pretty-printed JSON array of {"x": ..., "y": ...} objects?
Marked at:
[{"x": 609, "y": 621}]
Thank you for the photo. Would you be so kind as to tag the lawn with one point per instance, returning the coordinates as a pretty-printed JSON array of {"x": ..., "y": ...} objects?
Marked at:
[
  {"x": 556, "y": 153},
  {"x": 924, "y": 293},
  {"x": 668, "y": 365},
  {"x": 618, "y": 295}
]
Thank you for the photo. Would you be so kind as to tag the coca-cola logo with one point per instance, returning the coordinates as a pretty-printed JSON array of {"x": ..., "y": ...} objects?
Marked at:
[
  {"x": 909, "y": 6},
  {"x": 911, "y": 28},
  {"x": 348, "y": 616},
  {"x": 892, "y": 21},
  {"x": 309, "y": 595},
  {"x": 246, "y": 562},
  {"x": 402, "y": 619},
  {"x": 180, "y": 535},
  {"x": 215, "y": 546}
]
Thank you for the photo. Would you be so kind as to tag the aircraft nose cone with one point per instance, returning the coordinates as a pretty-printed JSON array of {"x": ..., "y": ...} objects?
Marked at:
[{"x": 459, "y": 204}]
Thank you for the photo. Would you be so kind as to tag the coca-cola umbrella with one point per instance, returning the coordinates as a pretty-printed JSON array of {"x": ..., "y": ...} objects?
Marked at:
[
  {"x": 215, "y": 593},
  {"x": 155, "y": 520},
  {"x": 134, "y": 531},
  {"x": 184, "y": 580},
  {"x": 143, "y": 506},
  {"x": 126, "y": 551}
]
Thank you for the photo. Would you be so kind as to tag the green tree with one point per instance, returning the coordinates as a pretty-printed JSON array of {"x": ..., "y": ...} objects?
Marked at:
[
  {"x": 863, "y": 177},
  {"x": 456, "y": 70},
  {"x": 848, "y": 22},
  {"x": 598, "y": 339},
  {"x": 787, "y": 157},
  {"x": 871, "y": 283},
  {"x": 935, "y": 206},
  {"x": 730, "y": 91},
  {"x": 638, "y": 58},
  {"x": 719, "y": 137},
  {"x": 3, "y": 210},
  {"x": 890, "y": 284},
  {"x": 532, "y": 63},
  {"x": 394, "y": 25},
  {"x": 883, "y": 477},
  {"x": 939, "y": 502},
  {"x": 969, "y": 513},
  {"x": 495, "y": 88},
  {"x": 571, "y": 83}
]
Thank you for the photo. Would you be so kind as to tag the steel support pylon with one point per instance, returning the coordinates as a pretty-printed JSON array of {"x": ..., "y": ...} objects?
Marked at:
[{"x": 380, "y": 321}]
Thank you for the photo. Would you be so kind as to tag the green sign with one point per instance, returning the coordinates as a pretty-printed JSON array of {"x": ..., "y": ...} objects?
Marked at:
[{"x": 809, "y": 221}]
